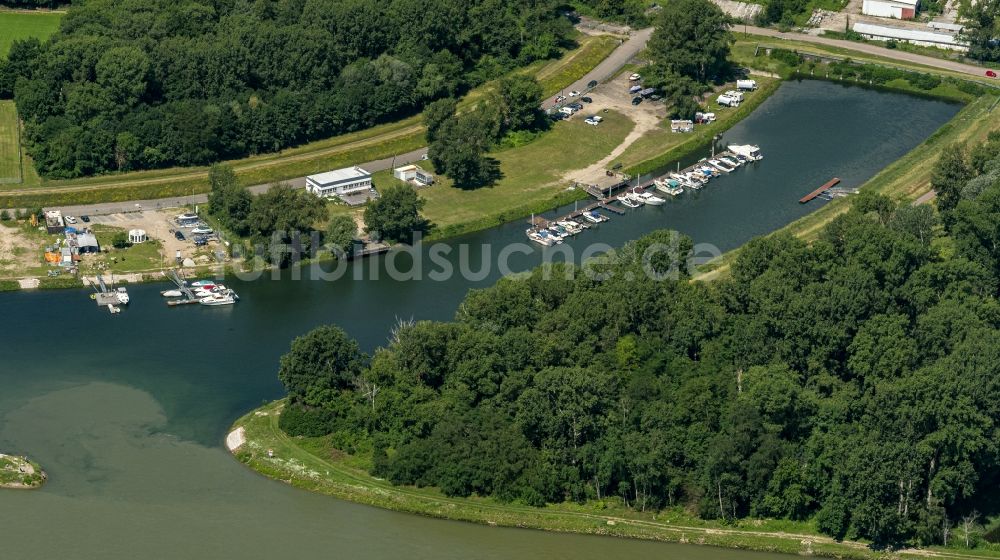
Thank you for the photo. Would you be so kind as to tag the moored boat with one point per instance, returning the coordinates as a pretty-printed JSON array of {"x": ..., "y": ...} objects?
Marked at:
[
  {"x": 626, "y": 200},
  {"x": 651, "y": 199},
  {"x": 749, "y": 151}
]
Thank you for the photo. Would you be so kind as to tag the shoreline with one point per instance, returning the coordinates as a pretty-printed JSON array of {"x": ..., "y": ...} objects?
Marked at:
[
  {"x": 20, "y": 473},
  {"x": 256, "y": 441}
]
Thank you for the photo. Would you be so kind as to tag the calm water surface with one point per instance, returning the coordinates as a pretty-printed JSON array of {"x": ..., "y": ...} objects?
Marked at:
[{"x": 128, "y": 413}]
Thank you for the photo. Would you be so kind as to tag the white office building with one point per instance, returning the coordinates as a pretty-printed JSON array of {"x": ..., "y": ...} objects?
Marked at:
[{"x": 351, "y": 184}]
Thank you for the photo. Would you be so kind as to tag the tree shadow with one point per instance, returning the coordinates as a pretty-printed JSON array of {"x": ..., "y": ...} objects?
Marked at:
[{"x": 486, "y": 175}]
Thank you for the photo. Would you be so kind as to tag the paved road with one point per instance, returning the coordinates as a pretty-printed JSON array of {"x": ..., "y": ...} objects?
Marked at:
[
  {"x": 895, "y": 54},
  {"x": 610, "y": 65}
]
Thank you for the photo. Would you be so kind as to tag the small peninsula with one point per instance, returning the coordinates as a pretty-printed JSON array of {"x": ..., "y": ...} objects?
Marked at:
[{"x": 20, "y": 472}]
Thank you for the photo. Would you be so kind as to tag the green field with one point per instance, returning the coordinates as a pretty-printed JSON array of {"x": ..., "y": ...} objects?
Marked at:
[
  {"x": 531, "y": 176},
  {"x": 10, "y": 155},
  {"x": 21, "y": 25}
]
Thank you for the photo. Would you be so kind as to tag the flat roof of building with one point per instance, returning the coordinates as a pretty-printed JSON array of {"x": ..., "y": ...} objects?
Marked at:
[
  {"x": 911, "y": 3},
  {"x": 906, "y": 34},
  {"x": 339, "y": 175}
]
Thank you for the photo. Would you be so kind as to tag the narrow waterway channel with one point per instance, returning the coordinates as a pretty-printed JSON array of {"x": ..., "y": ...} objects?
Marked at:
[{"x": 127, "y": 413}]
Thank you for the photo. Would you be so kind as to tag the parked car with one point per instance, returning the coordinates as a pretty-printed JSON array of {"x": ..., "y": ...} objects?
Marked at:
[
  {"x": 592, "y": 84},
  {"x": 634, "y": 78},
  {"x": 70, "y": 220},
  {"x": 576, "y": 106},
  {"x": 86, "y": 219},
  {"x": 574, "y": 93},
  {"x": 636, "y": 100},
  {"x": 991, "y": 74},
  {"x": 557, "y": 116},
  {"x": 567, "y": 110},
  {"x": 179, "y": 235},
  {"x": 586, "y": 99},
  {"x": 560, "y": 98},
  {"x": 591, "y": 121},
  {"x": 597, "y": 118}
]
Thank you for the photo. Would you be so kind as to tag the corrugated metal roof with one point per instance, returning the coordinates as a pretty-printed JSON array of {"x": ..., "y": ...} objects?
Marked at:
[
  {"x": 339, "y": 175},
  {"x": 905, "y": 34}
]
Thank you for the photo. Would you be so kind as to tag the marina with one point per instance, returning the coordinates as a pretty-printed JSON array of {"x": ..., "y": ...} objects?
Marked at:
[
  {"x": 199, "y": 292},
  {"x": 553, "y": 232},
  {"x": 107, "y": 296},
  {"x": 820, "y": 191}
]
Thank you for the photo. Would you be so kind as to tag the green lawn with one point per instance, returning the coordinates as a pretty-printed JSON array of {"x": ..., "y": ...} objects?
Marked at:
[
  {"x": 137, "y": 258},
  {"x": 21, "y": 25},
  {"x": 10, "y": 158},
  {"x": 531, "y": 176}
]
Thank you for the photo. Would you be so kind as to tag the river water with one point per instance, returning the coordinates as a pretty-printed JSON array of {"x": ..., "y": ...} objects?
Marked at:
[{"x": 128, "y": 413}]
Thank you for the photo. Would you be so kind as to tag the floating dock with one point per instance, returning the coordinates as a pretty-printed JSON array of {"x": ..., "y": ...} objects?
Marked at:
[{"x": 822, "y": 190}]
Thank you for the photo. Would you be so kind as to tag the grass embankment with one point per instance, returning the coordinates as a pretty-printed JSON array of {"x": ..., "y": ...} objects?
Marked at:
[
  {"x": 17, "y": 25},
  {"x": 314, "y": 464},
  {"x": 907, "y": 178},
  {"x": 20, "y": 472},
  {"x": 382, "y": 141}
]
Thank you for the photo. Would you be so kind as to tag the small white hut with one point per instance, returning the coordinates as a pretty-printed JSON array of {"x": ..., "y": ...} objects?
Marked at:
[{"x": 137, "y": 236}]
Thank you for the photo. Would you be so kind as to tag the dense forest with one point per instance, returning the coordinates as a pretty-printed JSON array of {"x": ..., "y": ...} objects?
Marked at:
[
  {"x": 852, "y": 380},
  {"x": 138, "y": 84}
]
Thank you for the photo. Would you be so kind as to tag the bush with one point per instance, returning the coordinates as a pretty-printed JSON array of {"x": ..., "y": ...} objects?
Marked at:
[
  {"x": 4, "y": 216},
  {"x": 120, "y": 240},
  {"x": 924, "y": 81},
  {"x": 297, "y": 420}
]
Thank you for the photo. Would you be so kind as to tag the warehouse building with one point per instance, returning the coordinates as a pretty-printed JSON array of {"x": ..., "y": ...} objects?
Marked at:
[
  {"x": 914, "y": 36},
  {"x": 896, "y": 9}
]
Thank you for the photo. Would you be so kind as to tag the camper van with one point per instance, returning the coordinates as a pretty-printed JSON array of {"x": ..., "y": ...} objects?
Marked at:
[
  {"x": 746, "y": 85},
  {"x": 727, "y": 101}
]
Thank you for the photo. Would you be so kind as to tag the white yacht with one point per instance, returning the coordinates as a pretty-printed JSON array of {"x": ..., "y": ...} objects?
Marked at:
[
  {"x": 122, "y": 295},
  {"x": 748, "y": 151}
]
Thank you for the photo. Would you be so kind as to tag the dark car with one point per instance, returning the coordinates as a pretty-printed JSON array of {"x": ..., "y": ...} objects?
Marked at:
[
  {"x": 991, "y": 74},
  {"x": 179, "y": 235},
  {"x": 592, "y": 84},
  {"x": 586, "y": 100},
  {"x": 557, "y": 116},
  {"x": 576, "y": 106},
  {"x": 86, "y": 219},
  {"x": 636, "y": 100}
]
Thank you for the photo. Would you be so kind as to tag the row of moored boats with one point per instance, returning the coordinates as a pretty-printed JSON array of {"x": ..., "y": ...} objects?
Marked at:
[
  {"x": 556, "y": 232},
  {"x": 673, "y": 184},
  {"x": 700, "y": 174},
  {"x": 205, "y": 292}
]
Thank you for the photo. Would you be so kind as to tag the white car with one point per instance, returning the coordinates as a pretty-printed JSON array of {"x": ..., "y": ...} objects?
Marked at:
[
  {"x": 592, "y": 122},
  {"x": 70, "y": 220},
  {"x": 634, "y": 78},
  {"x": 574, "y": 93},
  {"x": 597, "y": 118}
]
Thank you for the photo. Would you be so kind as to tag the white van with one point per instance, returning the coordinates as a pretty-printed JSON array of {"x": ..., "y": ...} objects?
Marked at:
[
  {"x": 568, "y": 111},
  {"x": 746, "y": 85}
]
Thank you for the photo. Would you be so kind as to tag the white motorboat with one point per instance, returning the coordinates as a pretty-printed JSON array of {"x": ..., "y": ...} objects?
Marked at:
[
  {"x": 731, "y": 161},
  {"x": 673, "y": 187},
  {"x": 719, "y": 165},
  {"x": 626, "y": 200},
  {"x": 595, "y": 217},
  {"x": 651, "y": 199},
  {"x": 171, "y": 293},
  {"x": 537, "y": 238},
  {"x": 202, "y": 230},
  {"x": 570, "y": 226},
  {"x": 635, "y": 197},
  {"x": 203, "y": 283},
  {"x": 681, "y": 179},
  {"x": 547, "y": 235},
  {"x": 748, "y": 151},
  {"x": 709, "y": 171},
  {"x": 218, "y": 299},
  {"x": 122, "y": 295}
]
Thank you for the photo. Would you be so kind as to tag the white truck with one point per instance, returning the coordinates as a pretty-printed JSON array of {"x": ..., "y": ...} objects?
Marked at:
[{"x": 746, "y": 85}]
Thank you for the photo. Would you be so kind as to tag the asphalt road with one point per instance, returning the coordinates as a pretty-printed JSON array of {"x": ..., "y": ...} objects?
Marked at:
[{"x": 895, "y": 54}]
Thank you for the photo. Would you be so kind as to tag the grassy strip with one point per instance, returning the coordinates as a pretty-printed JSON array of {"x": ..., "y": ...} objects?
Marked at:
[
  {"x": 905, "y": 179},
  {"x": 313, "y": 464},
  {"x": 10, "y": 154}
]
